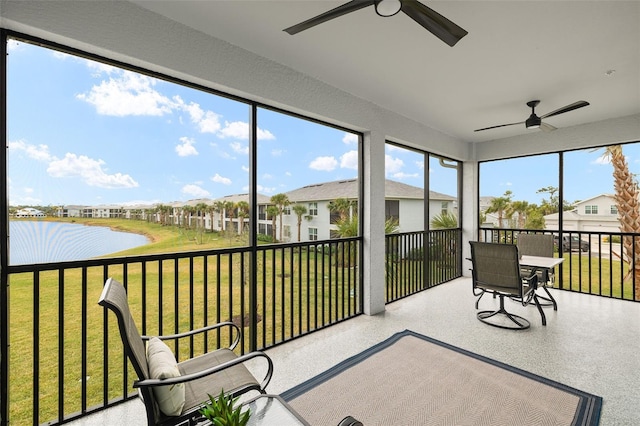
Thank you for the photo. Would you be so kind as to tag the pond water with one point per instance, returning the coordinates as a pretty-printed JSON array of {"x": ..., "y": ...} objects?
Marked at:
[{"x": 40, "y": 242}]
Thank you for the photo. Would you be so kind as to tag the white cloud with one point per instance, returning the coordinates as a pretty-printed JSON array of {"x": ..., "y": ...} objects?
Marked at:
[
  {"x": 128, "y": 94},
  {"x": 210, "y": 122},
  {"x": 97, "y": 67},
  {"x": 240, "y": 130},
  {"x": 262, "y": 189},
  {"x": 603, "y": 159},
  {"x": 349, "y": 160},
  {"x": 90, "y": 171},
  {"x": 219, "y": 179},
  {"x": 264, "y": 135},
  {"x": 420, "y": 164},
  {"x": 325, "y": 164},
  {"x": 392, "y": 165},
  {"x": 245, "y": 169},
  {"x": 36, "y": 152},
  {"x": 239, "y": 148},
  {"x": 402, "y": 175},
  {"x": 235, "y": 130},
  {"x": 350, "y": 138},
  {"x": 267, "y": 176},
  {"x": 185, "y": 147},
  {"x": 195, "y": 191},
  {"x": 277, "y": 152}
]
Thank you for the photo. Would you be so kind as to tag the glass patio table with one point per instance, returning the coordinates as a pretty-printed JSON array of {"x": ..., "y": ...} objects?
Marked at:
[{"x": 272, "y": 410}]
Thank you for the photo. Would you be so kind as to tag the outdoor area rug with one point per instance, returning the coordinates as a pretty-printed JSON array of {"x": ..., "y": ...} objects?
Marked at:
[{"x": 411, "y": 379}]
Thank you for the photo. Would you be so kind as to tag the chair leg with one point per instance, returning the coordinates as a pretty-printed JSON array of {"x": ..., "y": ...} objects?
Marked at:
[
  {"x": 519, "y": 322},
  {"x": 537, "y": 302}
]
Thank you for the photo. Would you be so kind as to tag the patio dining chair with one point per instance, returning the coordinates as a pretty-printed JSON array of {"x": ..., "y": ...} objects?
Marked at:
[
  {"x": 496, "y": 270},
  {"x": 539, "y": 245},
  {"x": 174, "y": 392}
]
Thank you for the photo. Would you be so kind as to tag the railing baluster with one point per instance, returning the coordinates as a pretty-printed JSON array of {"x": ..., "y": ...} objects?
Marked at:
[
  {"x": 36, "y": 347},
  {"x": 328, "y": 274}
]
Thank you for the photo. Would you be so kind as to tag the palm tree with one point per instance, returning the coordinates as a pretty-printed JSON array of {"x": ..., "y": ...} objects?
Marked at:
[
  {"x": 201, "y": 209},
  {"x": 445, "y": 220},
  {"x": 188, "y": 211},
  {"x": 220, "y": 206},
  {"x": 280, "y": 201},
  {"x": 342, "y": 206},
  {"x": 626, "y": 197},
  {"x": 500, "y": 205},
  {"x": 272, "y": 212},
  {"x": 521, "y": 208},
  {"x": 243, "y": 213},
  {"x": 230, "y": 212},
  {"x": 300, "y": 210},
  {"x": 212, "y": 209}
]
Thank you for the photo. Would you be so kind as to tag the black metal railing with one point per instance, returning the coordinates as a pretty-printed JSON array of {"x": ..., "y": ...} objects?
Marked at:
[
  {"x": 66, "y": 356},
  {"x": 600, "y": 263},
  {"x": 410, "y": 268}
]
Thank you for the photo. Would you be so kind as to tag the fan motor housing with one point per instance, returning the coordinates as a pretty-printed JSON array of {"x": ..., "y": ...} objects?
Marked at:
[{"x": 533, "y": 122}]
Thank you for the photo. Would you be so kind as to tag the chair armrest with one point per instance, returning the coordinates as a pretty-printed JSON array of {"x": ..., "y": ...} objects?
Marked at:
[
  {"x": 202, "y": 330},
  {"x": 211, "y": 370}
]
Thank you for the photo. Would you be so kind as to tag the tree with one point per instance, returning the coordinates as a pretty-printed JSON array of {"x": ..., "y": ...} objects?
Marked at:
[
  {"x": 300, "y": 210},
  {"x": 342, "y": 206},
  {"x": 445, "y": 220},
  {"x": 201, "y": 209},
  {"x": 212, "y": 209},
  {"x": 551, "y": 205},
  {"x": 272, "y": 212},
  {"x": 188, "y": 212},
  {"x": 500, "y": 205},
  {"x": 280, "y": 201},
  {"x": 521, "y": 208},
  {"x": 230, "y": 212},
  {"x": 220, "y": 206},
  {"x": 243, "y": 213},
  {"x": 626, "y": 197}
]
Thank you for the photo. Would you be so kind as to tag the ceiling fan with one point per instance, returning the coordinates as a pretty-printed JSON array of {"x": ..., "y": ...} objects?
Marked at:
[
  {"x": 440, "y": 26},
  {"x": 534, "y": 122}
]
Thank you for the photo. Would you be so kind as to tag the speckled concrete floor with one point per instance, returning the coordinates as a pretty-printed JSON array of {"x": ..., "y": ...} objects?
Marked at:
[{"x": 591, "y": 343}]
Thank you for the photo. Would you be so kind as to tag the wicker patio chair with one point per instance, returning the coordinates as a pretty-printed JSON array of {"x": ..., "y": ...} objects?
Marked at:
[
  {"x": 496, "y": 270},
  {"x": 189, "y": 382}
]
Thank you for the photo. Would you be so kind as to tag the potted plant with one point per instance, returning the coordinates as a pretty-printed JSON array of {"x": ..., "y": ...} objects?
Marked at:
[{"x": 220, "y": 411}]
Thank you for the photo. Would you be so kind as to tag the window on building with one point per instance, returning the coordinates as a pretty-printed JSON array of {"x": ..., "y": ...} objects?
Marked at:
[
  {"x": 590, "y": 209},
  {"x": 262, "y": 212},
  {"x": 313, "y": 209},
  {"x": 444, "y": 209},
  {"x": 286, "y": 210},
  {"x": 614, "y": 209},
  {"x": 313, "y": 234},
  {"x": 392, "y": 210}
]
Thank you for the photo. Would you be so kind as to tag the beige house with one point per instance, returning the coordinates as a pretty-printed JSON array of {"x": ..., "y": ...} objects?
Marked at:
[{"x": 596, "y": 214}]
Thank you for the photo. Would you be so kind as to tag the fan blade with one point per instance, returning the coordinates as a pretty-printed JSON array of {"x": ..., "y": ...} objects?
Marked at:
[
  {"x": 440, "y": 26},
  {"x": 567, "y": 108},
  {"x": 352, "y": 6},
  {"x": 501, "y": 125},
  {"x": 546, "y": 127}
]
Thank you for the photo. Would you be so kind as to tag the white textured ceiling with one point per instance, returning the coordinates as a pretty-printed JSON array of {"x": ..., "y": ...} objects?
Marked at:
[{"x": 556, "y": 51}]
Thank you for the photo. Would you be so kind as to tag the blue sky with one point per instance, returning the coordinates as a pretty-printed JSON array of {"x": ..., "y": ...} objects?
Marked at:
[
  {"x": 587, "y": 173},
  {"x": 81, "y": 132}
]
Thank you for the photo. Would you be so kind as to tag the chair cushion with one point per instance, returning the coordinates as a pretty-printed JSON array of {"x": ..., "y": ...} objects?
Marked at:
[{"x": 162, "y": 365}]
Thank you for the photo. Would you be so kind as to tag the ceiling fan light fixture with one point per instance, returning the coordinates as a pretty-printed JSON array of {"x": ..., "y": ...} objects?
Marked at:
[
  {"x": 533, "y": 122},
  {"x": 388, "y": 8}
]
